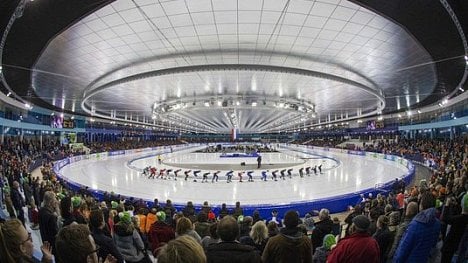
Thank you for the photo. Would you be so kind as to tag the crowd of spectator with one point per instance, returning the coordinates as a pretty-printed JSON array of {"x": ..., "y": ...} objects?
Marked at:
[{"x": 425, "y": 222}]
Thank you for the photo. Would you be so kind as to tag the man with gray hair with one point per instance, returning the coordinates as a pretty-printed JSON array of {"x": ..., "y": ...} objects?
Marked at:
[{"x": 323, "y": 227}]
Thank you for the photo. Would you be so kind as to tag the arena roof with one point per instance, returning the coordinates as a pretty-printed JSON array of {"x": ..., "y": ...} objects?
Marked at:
[{"x": 214, "y": 65}]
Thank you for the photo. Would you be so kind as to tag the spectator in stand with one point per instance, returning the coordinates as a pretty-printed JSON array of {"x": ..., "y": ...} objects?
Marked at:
[
  {"x": 457, "y": 222},
  {"x": 189, "y": 210},
  {"x": 66, "y": 211},
  {"x": 237, "y": 210},
  {"x": 275, "y": 218},
  {"x": 160, "y": 233},
  {"x": 18, "y": 201},
  {"x": 224, "y": 211},
  {"x": 359, "y": 246},
  {"x": 290, "y": 245},
  {"x": 141, "y": 220},
  {"x": 229, "y": 250},
  {"x": 16, "y": 244},
  {"x": 321, "y": 253},
  {"x": 323, "y": 227},
  {"x": 77, "y": 213},
  {"x": 213, "y": 238},
  {"x": 257, "y": 237},
  {"x": 411, "y": 211},
  {"x": 48, "y": 219},
  {"x": 183, "y": 249},
  {"x": 422, "y": 233},
  {"x": 383, "y": 236},
  {"x": 202, "y": 227},
  {"x": 102, "y": 237},
  {"x": 273, "y": 229},
  {"x": 185, "y": 227},
  {"x": 127, "y": 239},
  {"x": 76, "y": 245},
  {"x": 245, "y": 225},
  {"x": 151, "y": 218},
  {"x": 169, "y": 211}
]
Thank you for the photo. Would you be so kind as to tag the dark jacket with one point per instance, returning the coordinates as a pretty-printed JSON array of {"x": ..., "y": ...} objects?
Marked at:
[
  {"x": 291, "y": 245},
  {"x": 247, "y": 240},
  {"x": 231, "y": 252},
  {"x": 48, "y": 226},
  {"x": 106, "y": 245},
  {"x": 202, "y": 228},
  {"x": 419, "y": 239},
  {"x": 16, "y": 199},
  {"x": 398, "y": 235},
  {"x": 321, "y": 229},
  {"x": 385, "y": 240},
  {"x": 458, "y": 225}
]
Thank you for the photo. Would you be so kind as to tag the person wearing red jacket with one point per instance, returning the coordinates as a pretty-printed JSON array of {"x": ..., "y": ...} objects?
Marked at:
[
  {"x": 160, "y": 233},
  {"x": 358, "y": 247}
]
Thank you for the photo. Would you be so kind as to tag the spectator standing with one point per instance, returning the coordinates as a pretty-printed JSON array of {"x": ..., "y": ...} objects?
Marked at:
[
  {"x": 359, "y": 246},
  {"x": 18, "y": 201},
  {"x": 97, "y": 224},
  {"x": 383, "y": 236},
  {"x": 160, "y": 232},
  {"x": 257, "y": 237},
  {"x": 411, "y": 211},
  {"x": 290, "y": 245},
  {"x": 48, "y": 219},
  {"x": 457, "y": 222},
  {"x": 422, "y": 233},
  {"x": 183, "y": 249},
  {"x": 321, "y": 253},
  {"x": 323, "y": 227},
  {"x": 229, "y": 249}
]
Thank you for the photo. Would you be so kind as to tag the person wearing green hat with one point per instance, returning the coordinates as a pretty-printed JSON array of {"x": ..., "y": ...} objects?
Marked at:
[
  {"x": 160, "y": 233},
  {"x": 127, "y": 239},
  {"x": 321, "y": 253},
  {"x": 76, "y": 204}
]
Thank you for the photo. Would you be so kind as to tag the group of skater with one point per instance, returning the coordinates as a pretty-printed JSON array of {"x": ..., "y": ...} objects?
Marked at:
[{"x": 166, "y": 173}]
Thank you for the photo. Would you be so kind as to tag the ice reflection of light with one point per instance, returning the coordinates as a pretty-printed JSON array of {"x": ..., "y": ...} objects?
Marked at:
[
  {"x": 234, "y": 192},
  {"x": 358, "y": 180}
]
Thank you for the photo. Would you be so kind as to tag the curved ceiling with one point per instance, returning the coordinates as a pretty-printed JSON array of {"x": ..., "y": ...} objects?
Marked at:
[{"x": 346, "y": 60}]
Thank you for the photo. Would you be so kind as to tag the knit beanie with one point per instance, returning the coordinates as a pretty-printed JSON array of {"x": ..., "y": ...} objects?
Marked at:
[
  {"x": 114, "y": 204},
  {"x": 161, "y": 216},
  {"x": 76, "y": 201},
  {"x": 464, "y": 203},
  {"x": 125, "y": 217},
  {"x": 361, "y": 222},
  {"x": 328, "y": 241}
]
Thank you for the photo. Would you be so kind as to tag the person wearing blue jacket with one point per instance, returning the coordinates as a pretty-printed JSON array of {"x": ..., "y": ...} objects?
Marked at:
[{"x": 422, "y": 233}]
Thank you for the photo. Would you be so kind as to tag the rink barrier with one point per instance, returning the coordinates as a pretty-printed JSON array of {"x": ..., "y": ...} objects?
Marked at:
[{"x": 335, "y": 204}]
